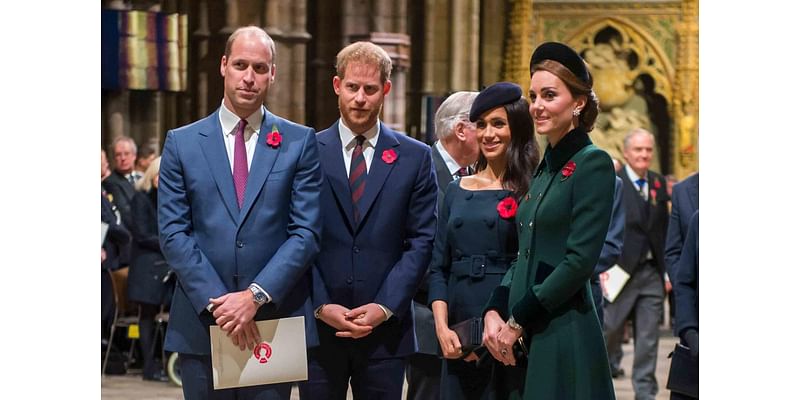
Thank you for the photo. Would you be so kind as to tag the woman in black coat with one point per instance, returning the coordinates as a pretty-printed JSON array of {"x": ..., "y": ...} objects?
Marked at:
[{"x": 148, "y": 268}]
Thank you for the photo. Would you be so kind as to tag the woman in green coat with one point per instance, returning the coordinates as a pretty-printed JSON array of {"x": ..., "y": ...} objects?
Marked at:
[{"x": 545, "y": 298}]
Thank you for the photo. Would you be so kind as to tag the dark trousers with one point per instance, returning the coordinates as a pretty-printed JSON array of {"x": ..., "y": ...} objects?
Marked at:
[
  {"x": 466, "y": 380},
  {"x": 147, "y": 320},
  {"x": 198, "y": 383},
  {"x": 330, "y": 370},
  {"x": 423, "y": 374}
]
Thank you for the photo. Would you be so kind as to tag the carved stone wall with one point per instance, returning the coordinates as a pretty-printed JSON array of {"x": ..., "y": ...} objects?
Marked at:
[{"x": 643, "y": 55}]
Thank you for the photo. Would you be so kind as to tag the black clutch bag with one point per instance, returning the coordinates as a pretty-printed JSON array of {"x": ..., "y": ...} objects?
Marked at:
[
  {"x": 470, "y": 334},
  {"x": 684, "y": 377}
]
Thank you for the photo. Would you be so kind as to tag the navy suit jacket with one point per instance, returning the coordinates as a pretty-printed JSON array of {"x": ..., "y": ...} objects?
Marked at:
[
  {"x": 612, "y": 248},
  {"x": 645, "y": 222},
  {"x": 685, "y": 201},
  {"x": 687, "y": 280},
  {"x": 383, "y": 258},
  {"x": 216, "y": 248}
]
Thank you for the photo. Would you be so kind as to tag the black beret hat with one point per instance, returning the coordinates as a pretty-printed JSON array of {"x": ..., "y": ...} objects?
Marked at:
[
  {"x": 497, "y": 94},
  {"x": 563, "y": 54}
]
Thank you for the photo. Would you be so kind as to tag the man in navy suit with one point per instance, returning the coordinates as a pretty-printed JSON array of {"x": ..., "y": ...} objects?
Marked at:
[
  {"x": 453, "y": 155},
  {"x": 379, "y": 219},
  {"x": 239, "y": 219},
  {"x": 687, "y": 294},
  {"x": 644, "y": 195},
  {"x": 685, "y": 201}
]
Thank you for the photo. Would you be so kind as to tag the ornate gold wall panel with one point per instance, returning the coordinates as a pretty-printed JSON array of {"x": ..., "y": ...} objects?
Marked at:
[{"x": 628, "y": 44}]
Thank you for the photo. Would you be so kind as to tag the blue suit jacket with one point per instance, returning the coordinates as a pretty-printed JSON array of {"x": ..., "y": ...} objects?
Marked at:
[
  {"x": 687, "y": 280},
  {"x": 685, "y": 201},
  {"x": 612, "y": 248},
  {"x": 215, "y": 247},
  {"x": 383, "y": 258}
]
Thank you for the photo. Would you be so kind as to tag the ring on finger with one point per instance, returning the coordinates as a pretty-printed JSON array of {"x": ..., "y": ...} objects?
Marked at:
[{"x": 504, "y": 352}]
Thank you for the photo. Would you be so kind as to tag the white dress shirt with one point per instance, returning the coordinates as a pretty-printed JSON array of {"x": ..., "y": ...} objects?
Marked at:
[
  {"x": 230, "y": 123},
  {"x": 452, "y": 165},
  {"x": 634, "y": 177},
  {"x": 349, "y": 143}
]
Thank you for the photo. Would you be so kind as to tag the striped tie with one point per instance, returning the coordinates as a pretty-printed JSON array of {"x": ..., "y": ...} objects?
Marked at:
[{"x": 358, "y": 175}]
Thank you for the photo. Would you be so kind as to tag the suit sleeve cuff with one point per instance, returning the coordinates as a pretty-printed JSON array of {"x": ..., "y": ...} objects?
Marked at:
[
  {"x": 498, "y": 301},
  {"x": 528, "y": 309},
  {"x": 386, "y": 311}
]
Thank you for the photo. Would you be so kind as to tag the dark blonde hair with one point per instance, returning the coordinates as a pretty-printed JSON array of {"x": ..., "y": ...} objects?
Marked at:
[
  {"x": 364, "y": 52},
  {"x": 576, "y": 87}
]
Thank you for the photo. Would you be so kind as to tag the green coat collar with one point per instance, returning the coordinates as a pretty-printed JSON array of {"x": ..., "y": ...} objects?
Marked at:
[{"x": 571, "y": 143}]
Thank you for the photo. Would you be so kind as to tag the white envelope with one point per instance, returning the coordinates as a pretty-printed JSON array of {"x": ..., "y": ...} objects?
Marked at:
[
  {"x": 103, "y": 232},
  {"x": 280, "y": 357},
  {"x": 617, "y": 277}
]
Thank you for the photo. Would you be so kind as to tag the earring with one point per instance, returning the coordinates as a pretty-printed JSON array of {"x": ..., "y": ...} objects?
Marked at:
[{"x": 576, "y": 112}]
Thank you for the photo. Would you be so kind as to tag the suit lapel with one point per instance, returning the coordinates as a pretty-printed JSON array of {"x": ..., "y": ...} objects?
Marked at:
[
  {"x": 213, "y": 147},
  {"x": 442, "y": 172},
  {"x": 333, "y": 164},
  {"x": 378, "y": 171},
  {"x": 263, "y": 161},
  {"x": 694, "y": 194}
]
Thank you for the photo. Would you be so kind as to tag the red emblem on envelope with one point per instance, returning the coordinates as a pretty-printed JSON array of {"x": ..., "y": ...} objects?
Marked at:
[{"x": 262, "y": 352}]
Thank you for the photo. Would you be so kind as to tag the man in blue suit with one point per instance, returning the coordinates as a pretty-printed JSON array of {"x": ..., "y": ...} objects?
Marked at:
[
  {"x": 239, "y": 219},
  {"x": 685, "y": 201},
  {"x": 379, "y": 219}
]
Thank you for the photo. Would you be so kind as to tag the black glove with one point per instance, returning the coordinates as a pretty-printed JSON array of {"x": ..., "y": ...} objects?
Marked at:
[{"x": 692, "y": 339}]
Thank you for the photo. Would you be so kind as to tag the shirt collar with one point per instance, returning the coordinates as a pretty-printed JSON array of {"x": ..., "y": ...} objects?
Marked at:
[
  {"x": 451, "y": 164},
  {"x": 348, "y": 137},
  {"x": 230, "y": 122},
  {"x": 571, "y": 143},
  {"x": 633, "y": 176}
]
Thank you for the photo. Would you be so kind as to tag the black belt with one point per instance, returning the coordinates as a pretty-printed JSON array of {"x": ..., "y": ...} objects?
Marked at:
[{"x": 479, "y": 265}]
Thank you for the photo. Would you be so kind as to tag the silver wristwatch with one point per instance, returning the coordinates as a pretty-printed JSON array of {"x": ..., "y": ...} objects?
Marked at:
[
  {"x": 259, "y": 297},
  {"x": 513, "y": 324}
]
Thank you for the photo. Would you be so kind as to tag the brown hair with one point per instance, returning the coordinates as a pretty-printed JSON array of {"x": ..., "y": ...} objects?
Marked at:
[
  {"x": 577, "y": 88},
  {"x": 364, "y": 52}
]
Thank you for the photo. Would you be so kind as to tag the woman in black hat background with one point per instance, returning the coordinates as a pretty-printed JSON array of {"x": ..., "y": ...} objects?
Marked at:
[
  {"x": 476, "y": 238},
  {"x": 545, "y": 298}
]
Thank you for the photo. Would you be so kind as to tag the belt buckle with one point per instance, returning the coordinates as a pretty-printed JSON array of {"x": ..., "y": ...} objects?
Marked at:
[{"x": 478, "y": 266}]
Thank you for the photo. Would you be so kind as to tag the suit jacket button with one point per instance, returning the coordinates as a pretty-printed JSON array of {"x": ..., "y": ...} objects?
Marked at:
[
  {"x": 349, "y": 280},
  {"x": 356, "y": 249},
  {"x": 239, "y": 244}
]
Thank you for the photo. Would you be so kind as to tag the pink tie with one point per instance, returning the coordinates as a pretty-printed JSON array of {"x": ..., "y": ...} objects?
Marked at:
[{"x": 240, "y": 163}]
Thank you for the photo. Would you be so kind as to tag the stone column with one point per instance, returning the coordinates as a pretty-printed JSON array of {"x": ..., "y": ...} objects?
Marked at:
[
  {"x": 465, "y": 33},
  {"x": 685, "y": 98},
  {"x": 285, "y": 22}
]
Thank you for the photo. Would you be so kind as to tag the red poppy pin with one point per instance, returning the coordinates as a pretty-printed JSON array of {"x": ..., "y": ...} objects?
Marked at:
[
  {"x": 389, "y": 156},
  {"x": 657, "y": 184},
  {"x": 568, "y": 170},
  {"x": 274, "y": 138},
  {"x": 507, "y": 208}
]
